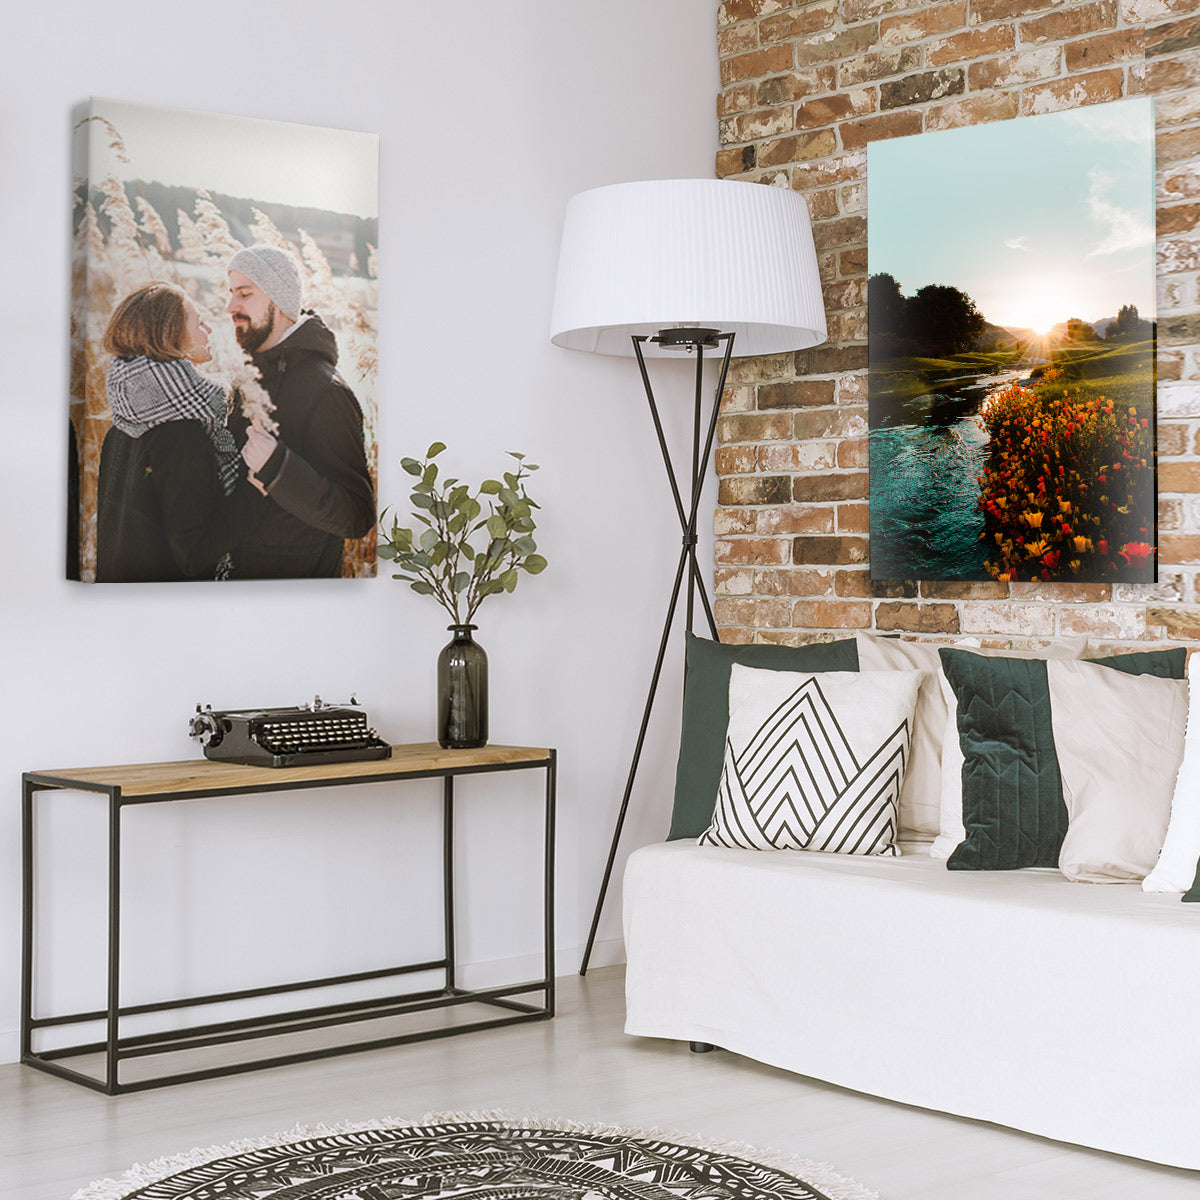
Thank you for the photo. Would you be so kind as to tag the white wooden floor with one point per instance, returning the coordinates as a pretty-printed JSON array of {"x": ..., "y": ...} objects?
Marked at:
[{"x": 56, "y": 1136}]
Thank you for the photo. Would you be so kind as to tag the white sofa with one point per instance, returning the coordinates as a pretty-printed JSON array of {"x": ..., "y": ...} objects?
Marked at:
[{"x": 1018, "y": 997}]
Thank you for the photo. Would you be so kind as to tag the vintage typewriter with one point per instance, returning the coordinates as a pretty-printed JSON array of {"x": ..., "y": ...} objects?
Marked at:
[{"x": 288, "y": 737}]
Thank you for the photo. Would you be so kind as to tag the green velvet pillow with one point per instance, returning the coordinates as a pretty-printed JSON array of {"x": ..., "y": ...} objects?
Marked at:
[
  {"x": 706, "y": 714},
  {"x": 1013, "y": 807},
  {"x": 1192, "y": 895}
]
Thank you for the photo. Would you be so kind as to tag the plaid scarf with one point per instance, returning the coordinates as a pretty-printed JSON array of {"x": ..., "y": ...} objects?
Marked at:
[{"x": 143, "y": 393}]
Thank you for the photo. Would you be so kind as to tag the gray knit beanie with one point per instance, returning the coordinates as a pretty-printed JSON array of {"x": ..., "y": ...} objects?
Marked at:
[{"x": 276, "y": 272}]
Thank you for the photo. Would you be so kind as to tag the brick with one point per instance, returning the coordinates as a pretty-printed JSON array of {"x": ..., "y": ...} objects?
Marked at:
[
  {"x": 983, "y": 12},
  {"x": 799, "y": 23},
  {"x": 973, "y": 43},
  {"x": 1172, "y": 74},
  {"x": 794, "y": 582},
  {"x": 754, "y": 489},
  {"x": 737, "y": 39},
  {"x": 732, "y": 582},
  {"x": 1170, "y": 514},
  {"x": 831, "y": 423},
  {"x": 831, "y": 614},
  {"x": 1155, "y": 10},
  {"x": 847, "y": 293},
  {"x": 844, "y": 168},
  {"x": 1069, "y": 22},
  {"x": 1171, "y": 588},
  {"x": 917, "y": 618},
  {"x": 748, "y": 127},
  {"x": 1183, "y": 327},
  {"x": 1088, "y": 54},
  {"x": 853, "y": 453},
  {"x": 772, "y": 60},
  {"x": 731, "y": 11},
  {"x": 854, "y": 518},
  {"x": 1170, "y": 364},
  {"x": 920, "y": 89},
  {"x": 864, "y": 10},
  {"x": 879, "y": 64},
  {"x": 728, "y": 522},
  {"x": 854, "y": 262},
  {"x": 823, "y": 206},
  {"x": 795, "y": 518},
  {"x": 1179, "y": 254},
  {"x": 797, "y": 147},
  {"x": 752, "y": 551},
  {"x": 1172, "y": 439},
  {"x": 830, "y": 47},
  {"x": 1178, "y": 477},
  {"x": 734, "y": 611},
  {"x": 1073, "y": 92},
  {"x": 856, "y": 134},
  {"x": 760, "y": 367},
  {"x": 827, "y": 110},
  {"x": 736, "y": 99},
  {"x": 1174, "y": 37},
  {"x": 1063, "y": 593},
  {"x": 754, "y": 427},
  {"x": 1178, "y": 400},
  {"x": 1182, "y": 624},
  {"x": 925, "y": 22},
  {"x": 735, "y": 162},
  {"x": 1179, "y": 548},
  {"x": 736, "y": 460},
  {"x": 737, "y": 399},
  {"x": 855, "y": 584},
  {"x": 1177, "y": 145},
  {"x": 1105, "y": 622},
  {"x": 1011, "y": 70},
  {"x": 963, "y": 589},
  {"x": 1026, "y": 620},
  {"x": 797, "y": 85},
  {"x": 999, "y": 106},
  {"x": 1181, "y": 218},
  {"x": 850, "y": 485},
  {"x": 836, "y": 551}
]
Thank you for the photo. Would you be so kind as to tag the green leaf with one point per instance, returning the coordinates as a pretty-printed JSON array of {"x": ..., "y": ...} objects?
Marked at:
[
  {"x": 535, "y": 564},
  {"x": 508, "y": 496},
  {"x": 435, "y": 449},
  {"x": 411, "y": 466},
  {"x": 385, "y": 551},
  {"x": 461, "y": 581},
  {"x": 497, "y": 526},
  {"x": 510, "y": 479},
  {"x": 429, "y": 539},
  {"x": 472, "y": 508},
  {"x": 508, "y": 580},
  {"x": 456, "y": 524},
  {"x": 491, "y": 588},
  {"x": 525, "y": 545},
  {"x": 422, "y": 501},
  {"x": 514, "y": 454},
  {"x": 468, "y": 551},
  {"x": 530, "y": 466},
  {"x": 489, "y": 487},
  {"x": 430, "y": 476},
  {"x": 419, "y": 585}
]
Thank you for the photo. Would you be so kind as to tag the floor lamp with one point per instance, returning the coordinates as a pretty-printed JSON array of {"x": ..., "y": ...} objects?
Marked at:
[{"x": 684, "y": 265}]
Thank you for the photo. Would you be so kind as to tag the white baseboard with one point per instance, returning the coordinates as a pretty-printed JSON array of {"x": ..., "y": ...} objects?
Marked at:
[{"x": 10, "y": 1045}]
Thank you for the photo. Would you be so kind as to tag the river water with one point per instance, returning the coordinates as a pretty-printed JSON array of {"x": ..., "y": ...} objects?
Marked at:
[{"x": 926, "y": 457}]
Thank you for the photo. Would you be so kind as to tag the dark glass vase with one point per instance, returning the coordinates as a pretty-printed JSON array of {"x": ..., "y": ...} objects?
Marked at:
[{"x": 462, "y": 692}]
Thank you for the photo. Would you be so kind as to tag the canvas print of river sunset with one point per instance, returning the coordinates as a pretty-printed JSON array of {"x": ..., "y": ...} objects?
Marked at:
[{"x": 1011, "y": 316}]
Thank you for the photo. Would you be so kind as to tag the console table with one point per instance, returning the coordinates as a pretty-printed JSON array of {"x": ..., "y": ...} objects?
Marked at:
[{"x": 169, "y": 783}]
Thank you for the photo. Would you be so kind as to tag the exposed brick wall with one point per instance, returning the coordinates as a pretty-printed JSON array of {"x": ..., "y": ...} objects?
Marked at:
[{"x": 805, "y": 87}]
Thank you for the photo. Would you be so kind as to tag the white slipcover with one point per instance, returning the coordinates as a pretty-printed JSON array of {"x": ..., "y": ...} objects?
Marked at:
[{"x": 1063, "y": 1009}]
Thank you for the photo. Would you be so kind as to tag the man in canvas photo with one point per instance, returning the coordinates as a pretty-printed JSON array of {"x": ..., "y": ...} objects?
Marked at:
[{"x": 308, "y": 487}]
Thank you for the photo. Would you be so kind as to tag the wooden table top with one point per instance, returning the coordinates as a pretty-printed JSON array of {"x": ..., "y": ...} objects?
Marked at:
[{"x": 202, "y": 776}]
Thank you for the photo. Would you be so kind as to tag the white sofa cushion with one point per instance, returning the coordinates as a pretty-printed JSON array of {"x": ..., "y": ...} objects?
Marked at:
[
  {"x": 1119, "y": 743},
  {"x": 814, "y": 761}
]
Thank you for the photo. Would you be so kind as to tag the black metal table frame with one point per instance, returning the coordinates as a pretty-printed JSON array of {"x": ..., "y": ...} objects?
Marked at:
[{"x": 117, "y": 1048}]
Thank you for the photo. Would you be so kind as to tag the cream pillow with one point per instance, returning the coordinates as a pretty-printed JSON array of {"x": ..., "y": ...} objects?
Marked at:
[
  {"x": 951, "y": 830},
  {"x": 1176, "y": 867},
  {"x": 1119, "y": 741},
  {"x": 920, "y": 809}
]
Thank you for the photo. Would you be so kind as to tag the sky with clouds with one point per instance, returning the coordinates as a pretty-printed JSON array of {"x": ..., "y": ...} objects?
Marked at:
[{"x": 1037, "y": 219}]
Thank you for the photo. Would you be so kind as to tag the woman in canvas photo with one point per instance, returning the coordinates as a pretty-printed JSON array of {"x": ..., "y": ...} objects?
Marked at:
[{"x": 169, "y": 463}]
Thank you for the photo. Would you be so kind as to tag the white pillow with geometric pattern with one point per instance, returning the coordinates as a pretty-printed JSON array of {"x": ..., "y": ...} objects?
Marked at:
[{"x": 814, "y": 761}]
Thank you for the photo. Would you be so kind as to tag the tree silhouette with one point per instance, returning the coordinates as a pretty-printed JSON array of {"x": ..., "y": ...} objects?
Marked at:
[{"x": 939, "y": 320}]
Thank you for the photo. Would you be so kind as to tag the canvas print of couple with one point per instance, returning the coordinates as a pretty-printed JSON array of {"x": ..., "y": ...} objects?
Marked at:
[{"x": 223, "y": 349}]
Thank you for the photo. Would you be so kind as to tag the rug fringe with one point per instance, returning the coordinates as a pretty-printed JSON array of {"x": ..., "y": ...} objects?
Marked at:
[{"x": 821, "y": 1175}]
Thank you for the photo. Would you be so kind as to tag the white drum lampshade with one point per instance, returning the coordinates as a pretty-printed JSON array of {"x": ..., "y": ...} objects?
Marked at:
[{"x": 735, "y": 257}]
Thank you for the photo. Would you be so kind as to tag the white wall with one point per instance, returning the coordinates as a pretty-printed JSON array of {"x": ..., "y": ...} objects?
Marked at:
[{"x": 490, "y": 116}]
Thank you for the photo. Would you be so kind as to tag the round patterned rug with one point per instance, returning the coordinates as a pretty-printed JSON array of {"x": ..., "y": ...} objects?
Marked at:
[{"x": 477, "y": 1158}]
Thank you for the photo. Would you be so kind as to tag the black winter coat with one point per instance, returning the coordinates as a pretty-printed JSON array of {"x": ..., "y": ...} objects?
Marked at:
[
  {"x": 320, "y": 490},
  {"x": 161, "y": 512}
]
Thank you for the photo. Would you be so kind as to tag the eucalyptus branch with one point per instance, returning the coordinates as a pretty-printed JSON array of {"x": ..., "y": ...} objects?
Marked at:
[{"x": 443, "y": 561}]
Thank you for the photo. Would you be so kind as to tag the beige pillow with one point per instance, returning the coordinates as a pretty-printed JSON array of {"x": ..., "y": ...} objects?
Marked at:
[
  {"x": 919, "y": 798},
  {"x": 951, "y": 830},
  {"x": 1119, "y": 740}
]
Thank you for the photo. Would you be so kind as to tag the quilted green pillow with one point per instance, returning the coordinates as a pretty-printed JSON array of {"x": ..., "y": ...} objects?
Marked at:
[
  {"x": 706, "y": 714},
  {"x": 1013, "y": 807}
]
